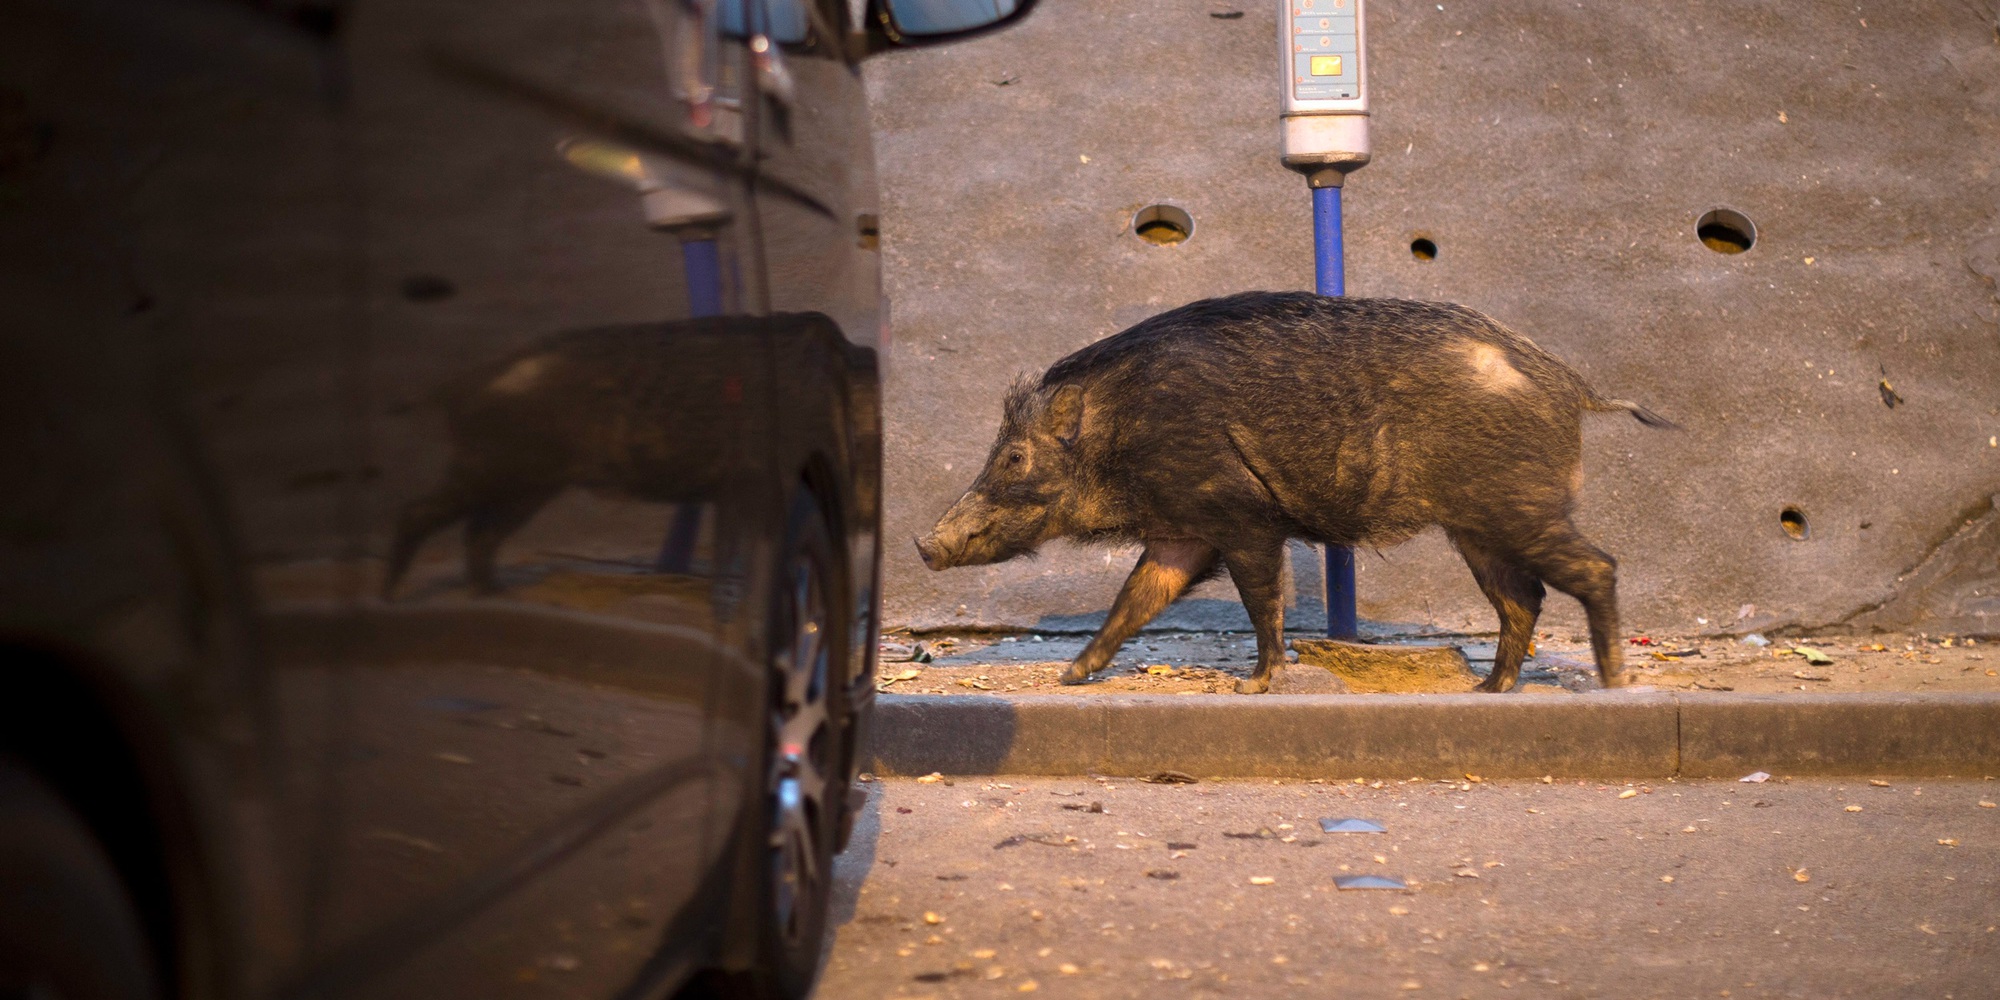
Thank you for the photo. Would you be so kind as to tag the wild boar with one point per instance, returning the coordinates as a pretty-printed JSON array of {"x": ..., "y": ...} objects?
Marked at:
[{"x": 1214, "y": 432}]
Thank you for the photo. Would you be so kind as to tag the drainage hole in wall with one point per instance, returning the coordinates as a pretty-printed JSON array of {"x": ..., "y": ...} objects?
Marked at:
[
  {"x": 1726, "y": 230},
  {"x": 1423, "y": 249},
  {"x": 1793, "y": 520},
  {"x": 1163, "y": 225}
]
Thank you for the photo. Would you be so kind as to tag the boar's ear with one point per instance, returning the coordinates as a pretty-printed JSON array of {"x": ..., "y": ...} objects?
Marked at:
[{"x": 1064, "y": 416}]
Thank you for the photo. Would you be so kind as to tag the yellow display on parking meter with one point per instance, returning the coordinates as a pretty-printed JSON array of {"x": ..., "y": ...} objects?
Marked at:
[{"x": 1324, "y": 111}]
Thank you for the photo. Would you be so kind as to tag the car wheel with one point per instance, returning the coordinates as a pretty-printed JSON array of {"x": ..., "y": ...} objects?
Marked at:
[
  {"x": 802, "y": 792},
  {"x": 68, "y": 927}
]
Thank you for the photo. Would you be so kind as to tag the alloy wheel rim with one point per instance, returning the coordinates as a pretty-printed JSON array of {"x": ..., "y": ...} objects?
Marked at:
[{"x": 800, "y": 723}]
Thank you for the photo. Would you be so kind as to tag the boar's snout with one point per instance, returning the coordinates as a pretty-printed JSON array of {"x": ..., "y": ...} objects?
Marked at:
[{"x": 932, "y": 551}]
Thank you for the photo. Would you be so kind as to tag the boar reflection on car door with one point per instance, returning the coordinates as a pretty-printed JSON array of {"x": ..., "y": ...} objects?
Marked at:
[{"x": 524, "y": 793}]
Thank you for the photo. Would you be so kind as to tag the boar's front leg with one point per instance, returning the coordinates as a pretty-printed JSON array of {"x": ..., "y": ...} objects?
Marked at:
[
  {"x": 1165, "y": 571},
  {"x": 1259, "y": 575}
]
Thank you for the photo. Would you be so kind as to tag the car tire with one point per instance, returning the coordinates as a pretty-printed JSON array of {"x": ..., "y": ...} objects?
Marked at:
[
  {"x": 804, "y": 758},
  {"x": 68, "y": 927}
]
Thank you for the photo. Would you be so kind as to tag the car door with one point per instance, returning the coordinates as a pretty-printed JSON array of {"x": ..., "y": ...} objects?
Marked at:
[
  {"x": 552, "y": 190},
  {"x": 817, "y": 231}
]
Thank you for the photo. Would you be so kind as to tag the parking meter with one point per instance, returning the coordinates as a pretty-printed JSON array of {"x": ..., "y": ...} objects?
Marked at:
[
  {"x": 1323, "y": 116},
  {"x": 1324, "y": 110}
]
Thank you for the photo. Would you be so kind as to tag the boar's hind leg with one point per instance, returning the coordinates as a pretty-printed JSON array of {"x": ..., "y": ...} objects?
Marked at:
[
  {"x": 487, "y": 527},
  {"x": 1165, "y": 571},
  {"x": 1259, "y": 575},
  {"x": 1517, "y": 596},
  {"x": 1569, "y": 563}
]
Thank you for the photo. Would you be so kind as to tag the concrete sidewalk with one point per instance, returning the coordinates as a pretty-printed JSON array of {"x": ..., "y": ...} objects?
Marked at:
[{"x": 1603, "y": 734}]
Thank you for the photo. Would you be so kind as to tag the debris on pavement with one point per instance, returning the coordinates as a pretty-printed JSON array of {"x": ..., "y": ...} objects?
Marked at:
[
  {"x": 1347, "y": 882},
  {"x": 1755, "y": 778},
  {"x": 1262, "y": 880},
  {"x": 1170, "y": 778},
  {"x": 1813, "y": 656},
  {"x": 882, "y": 684},
  {"x": 1351, "y": 825},
  {"x": 1753, "y": 639}
]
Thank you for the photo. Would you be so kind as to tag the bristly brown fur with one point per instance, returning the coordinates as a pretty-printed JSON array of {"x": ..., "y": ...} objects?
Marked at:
[{"x": 1217, "y": 431}]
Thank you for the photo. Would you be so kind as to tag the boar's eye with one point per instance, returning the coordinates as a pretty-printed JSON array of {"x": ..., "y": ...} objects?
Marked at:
[{"x": 1013, "y": 458}]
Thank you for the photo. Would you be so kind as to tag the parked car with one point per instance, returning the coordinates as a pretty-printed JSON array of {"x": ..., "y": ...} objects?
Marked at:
[{"x": 439, "y": 551}]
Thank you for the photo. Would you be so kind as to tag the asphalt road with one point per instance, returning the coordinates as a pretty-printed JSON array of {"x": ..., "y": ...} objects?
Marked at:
[{"x": 982, "y": 888}]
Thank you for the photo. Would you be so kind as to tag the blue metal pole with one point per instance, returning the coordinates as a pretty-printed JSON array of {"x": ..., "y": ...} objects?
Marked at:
[
  {"x": 703, "y": 267},
  {"x": 704, "y": 277},
  {"x": 1330, "y": 278}
]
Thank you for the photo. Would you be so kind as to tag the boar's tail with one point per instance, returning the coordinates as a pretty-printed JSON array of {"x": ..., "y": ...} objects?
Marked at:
[{"x": 1639, "y": 413}]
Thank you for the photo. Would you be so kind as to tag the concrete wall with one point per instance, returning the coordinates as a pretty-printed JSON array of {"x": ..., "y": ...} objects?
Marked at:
[{"x": 1558, "y": 154}]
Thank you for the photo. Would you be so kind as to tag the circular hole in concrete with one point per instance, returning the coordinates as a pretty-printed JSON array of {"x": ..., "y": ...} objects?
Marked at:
[
  {"x": 1424, "y": 249},
  {"x": 1726, "y": 230},
  {"x": 1793, "y": 520},
  {"x": 1163, "y": 225}
]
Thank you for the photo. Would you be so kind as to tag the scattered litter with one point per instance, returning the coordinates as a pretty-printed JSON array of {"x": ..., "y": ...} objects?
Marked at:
[
  {"x": 1263, "y": 833},
  {"x": 1628, "y": 793},
  {"x": 1182, "y": 845},
  {"x": 1094, "y": 807},
  {"x": 1345, "y": 882},
  {"x": 1226, "y": 15},
  {"x": 1755, "y": 777},
  {"x": 1004, "y": 81},
  {"x": 1854, "y": 809},
  {"x": 1161, "y": 670},
  {"x": 1163, "y": 874},
  {"x": 930, "y": 779},
  {"x": 1745, "y": 611},
  {"x": 1878, "y": 782},
  {"x": 1643, "y": 640},
  {"x": 1262, "y": 880},
  {"x": 1813, "y": 656},
  {"x": 906, "y": 675},
  {"x": 1753, "y": 639},
  {"x": 1666, "y": 878},
  {"x": 1048, "y": 839},
  {"x": 974, "y": 682},
  {"x": 1466, "y": 873},
  {"x": 933, "y": 918},
  {"x": 1351, "y": 825},
  {"x": 1170, "y": 778},
  {"x": 1801, "y": 875},
  {"x": 1983, "y": 804},
  {"x": 1948, "y": 841},
  {"x": 1802, "y": 675},
  {"x": 955, "y": 877},
  {"x": 920, "y": 653},
  {"x": 1890, "y": 397}
]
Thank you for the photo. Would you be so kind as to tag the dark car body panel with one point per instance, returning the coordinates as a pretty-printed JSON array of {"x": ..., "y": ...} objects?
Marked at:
[{"x": 283, "y": 280}]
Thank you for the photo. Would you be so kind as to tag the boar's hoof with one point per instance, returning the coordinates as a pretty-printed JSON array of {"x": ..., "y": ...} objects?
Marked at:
[
  {"x": 1253, "y": 685},
  {"x": 1494, "y": 685},
  {"x": 1076, "y": 674}
]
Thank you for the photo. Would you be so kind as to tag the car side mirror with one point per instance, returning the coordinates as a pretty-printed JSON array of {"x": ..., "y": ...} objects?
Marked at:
[{"x": 906, "y": 23}]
